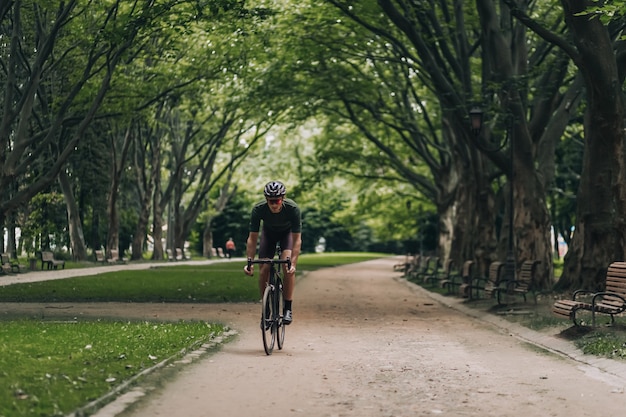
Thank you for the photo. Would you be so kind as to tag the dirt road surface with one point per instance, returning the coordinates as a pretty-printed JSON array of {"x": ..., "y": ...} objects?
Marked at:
[{"x": 364, "y": 342}]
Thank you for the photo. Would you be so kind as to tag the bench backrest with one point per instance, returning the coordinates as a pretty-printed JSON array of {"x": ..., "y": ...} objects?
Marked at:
[
  {"x": 448, "y": 268},
  {"x": 434, "y": 265},
  {"x": 99, "y": 255},
  {"x": 115, "y": 254},
  {"x": 423, "y": 265},
  {"x": 6, "y": 259},
  {"x": 495, "y": 273},
  {"x": 615, "y": 283},
  {"x": 47, "y": 256},
  {"x": 415, "y": 262},
  {"x": 527, "y": 275},
  {"x": 468, "y": 270}
]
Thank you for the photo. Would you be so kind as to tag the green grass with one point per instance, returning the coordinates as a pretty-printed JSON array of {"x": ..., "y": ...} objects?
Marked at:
[
  {"x": 211, "y": 283},
  {"x": 165, "y": 284},
  {"x": 604, "y": 342},
  {"x": 52, "y": 368}
]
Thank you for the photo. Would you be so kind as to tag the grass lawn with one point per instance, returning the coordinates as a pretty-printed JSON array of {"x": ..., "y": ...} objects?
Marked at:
[{"x": 51, "y": 368}]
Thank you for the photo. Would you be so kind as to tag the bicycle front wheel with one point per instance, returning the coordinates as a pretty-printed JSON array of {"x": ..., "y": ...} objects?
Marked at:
[
  {"x": 280, "y": 325},
  {"x": 268, "y": 325}
]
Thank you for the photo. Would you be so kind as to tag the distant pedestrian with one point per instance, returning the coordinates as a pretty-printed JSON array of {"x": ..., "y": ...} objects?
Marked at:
[{"x": 230, "y": 248}]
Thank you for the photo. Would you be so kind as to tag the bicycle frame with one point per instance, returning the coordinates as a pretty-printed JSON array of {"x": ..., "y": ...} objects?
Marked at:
[{"x": 271, "y": 315}]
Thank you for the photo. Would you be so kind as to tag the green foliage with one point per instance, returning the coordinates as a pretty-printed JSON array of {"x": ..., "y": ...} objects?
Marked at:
[
  {"x": 232, "y": 222},
  {"x": 611, "y": 343},
  {"x": 605, "y": 11},
  {"x": 569, "y": 156},
  {"x": 53, "y": 368},
  {"x": 47, "y": 222}
]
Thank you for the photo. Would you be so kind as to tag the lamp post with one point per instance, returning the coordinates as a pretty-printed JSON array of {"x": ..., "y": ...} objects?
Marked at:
[{"x": 476, "y": 120}]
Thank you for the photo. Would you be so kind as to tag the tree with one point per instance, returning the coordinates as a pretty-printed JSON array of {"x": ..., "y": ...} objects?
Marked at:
[
  {"x": 598, "y": 239},
  {"x": 56, "y": 77},
  {"x": 401, "y": 76}
]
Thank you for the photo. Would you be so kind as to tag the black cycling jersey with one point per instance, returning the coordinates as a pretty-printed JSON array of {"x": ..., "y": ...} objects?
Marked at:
[
  {"x": 277, "y": 227},
  {"x": 288, "y": 219}
]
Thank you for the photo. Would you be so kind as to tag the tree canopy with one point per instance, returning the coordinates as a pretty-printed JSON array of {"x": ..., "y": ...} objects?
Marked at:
[{"x": 158, "y": 121}]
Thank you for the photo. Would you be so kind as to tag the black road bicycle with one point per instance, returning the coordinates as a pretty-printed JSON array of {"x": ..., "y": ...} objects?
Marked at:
[{"x": 272, "y": 325}]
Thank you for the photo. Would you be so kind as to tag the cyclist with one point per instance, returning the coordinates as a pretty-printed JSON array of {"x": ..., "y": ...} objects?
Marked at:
[{"x": 282, "y": 224}]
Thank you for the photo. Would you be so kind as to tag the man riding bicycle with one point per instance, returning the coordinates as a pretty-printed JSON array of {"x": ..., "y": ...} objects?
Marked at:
[{"x": 282, "y": 224}]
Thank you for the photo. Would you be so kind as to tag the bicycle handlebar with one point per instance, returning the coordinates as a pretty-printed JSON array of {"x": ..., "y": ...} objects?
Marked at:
[{"x": 269, "y": 261}]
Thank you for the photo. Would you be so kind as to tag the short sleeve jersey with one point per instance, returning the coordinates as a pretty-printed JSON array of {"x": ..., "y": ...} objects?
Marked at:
[{"x": 287, "y": 219}]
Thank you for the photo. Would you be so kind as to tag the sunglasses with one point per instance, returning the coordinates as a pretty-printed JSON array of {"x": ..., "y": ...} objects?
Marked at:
[{"x": 274, "y": 200}]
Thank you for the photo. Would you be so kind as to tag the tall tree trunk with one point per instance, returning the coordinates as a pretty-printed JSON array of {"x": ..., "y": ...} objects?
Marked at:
[
  {"x": 531, "y": 222},
  {"x": 207, "y": 239},
  {"x": 141, "y": 229},
  {"x": 505, "y": 60},
  {"x": 77, "y": 237},
  {"x": 145, "y": 186},
  {"x": 117, "y": 170},
  {"x": 475, "y": 211},
  {"x": 157, "y": 210},
  {"x": 466, "y": 206},
  {"x": 113, "y": 231},
  {"x": 11, "y": 243},
  {"x": 601, "y": 204}
]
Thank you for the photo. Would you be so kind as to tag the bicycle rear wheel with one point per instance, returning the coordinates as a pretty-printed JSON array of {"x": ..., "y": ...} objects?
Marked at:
[
  {"x": 280, "y": 326},
  {"x": 268, "y": 327}
]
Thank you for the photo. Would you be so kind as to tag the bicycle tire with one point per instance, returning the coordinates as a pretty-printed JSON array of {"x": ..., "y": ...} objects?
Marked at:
[
  {"x": 267, "y": 314},
  {"x": 280, "y": 325}
]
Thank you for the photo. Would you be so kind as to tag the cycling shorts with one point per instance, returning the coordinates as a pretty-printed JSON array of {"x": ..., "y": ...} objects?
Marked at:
[{"x": 269, "y": 239}]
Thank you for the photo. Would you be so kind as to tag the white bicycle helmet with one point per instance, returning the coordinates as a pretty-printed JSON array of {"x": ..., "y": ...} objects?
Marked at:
[{"x": 274, "y": 189}]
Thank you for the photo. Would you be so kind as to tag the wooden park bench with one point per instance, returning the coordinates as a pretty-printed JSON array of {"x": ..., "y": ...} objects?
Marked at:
[
  {"x": 47, "y": 259},
  {"x": 520, "y": 286},
  {"x": 404, "y": 266},
  {"x": 429, "y": 268},
  {"x": 461, "y": 282},
  {"x": 413, "y": 266},
  {"x": 99, "y": 255},
  {"x": 114, "y": 257},
  {"x": 611, "y": 301},
  {"x": 5, "y": 266},
  {"x": 419, "y": 269},
  {"x": 11, "y": 265},
  {"x": 494, "y": 279},
  {"x": 440, "y": 274},
  {"x": 180, "y": 255}
]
